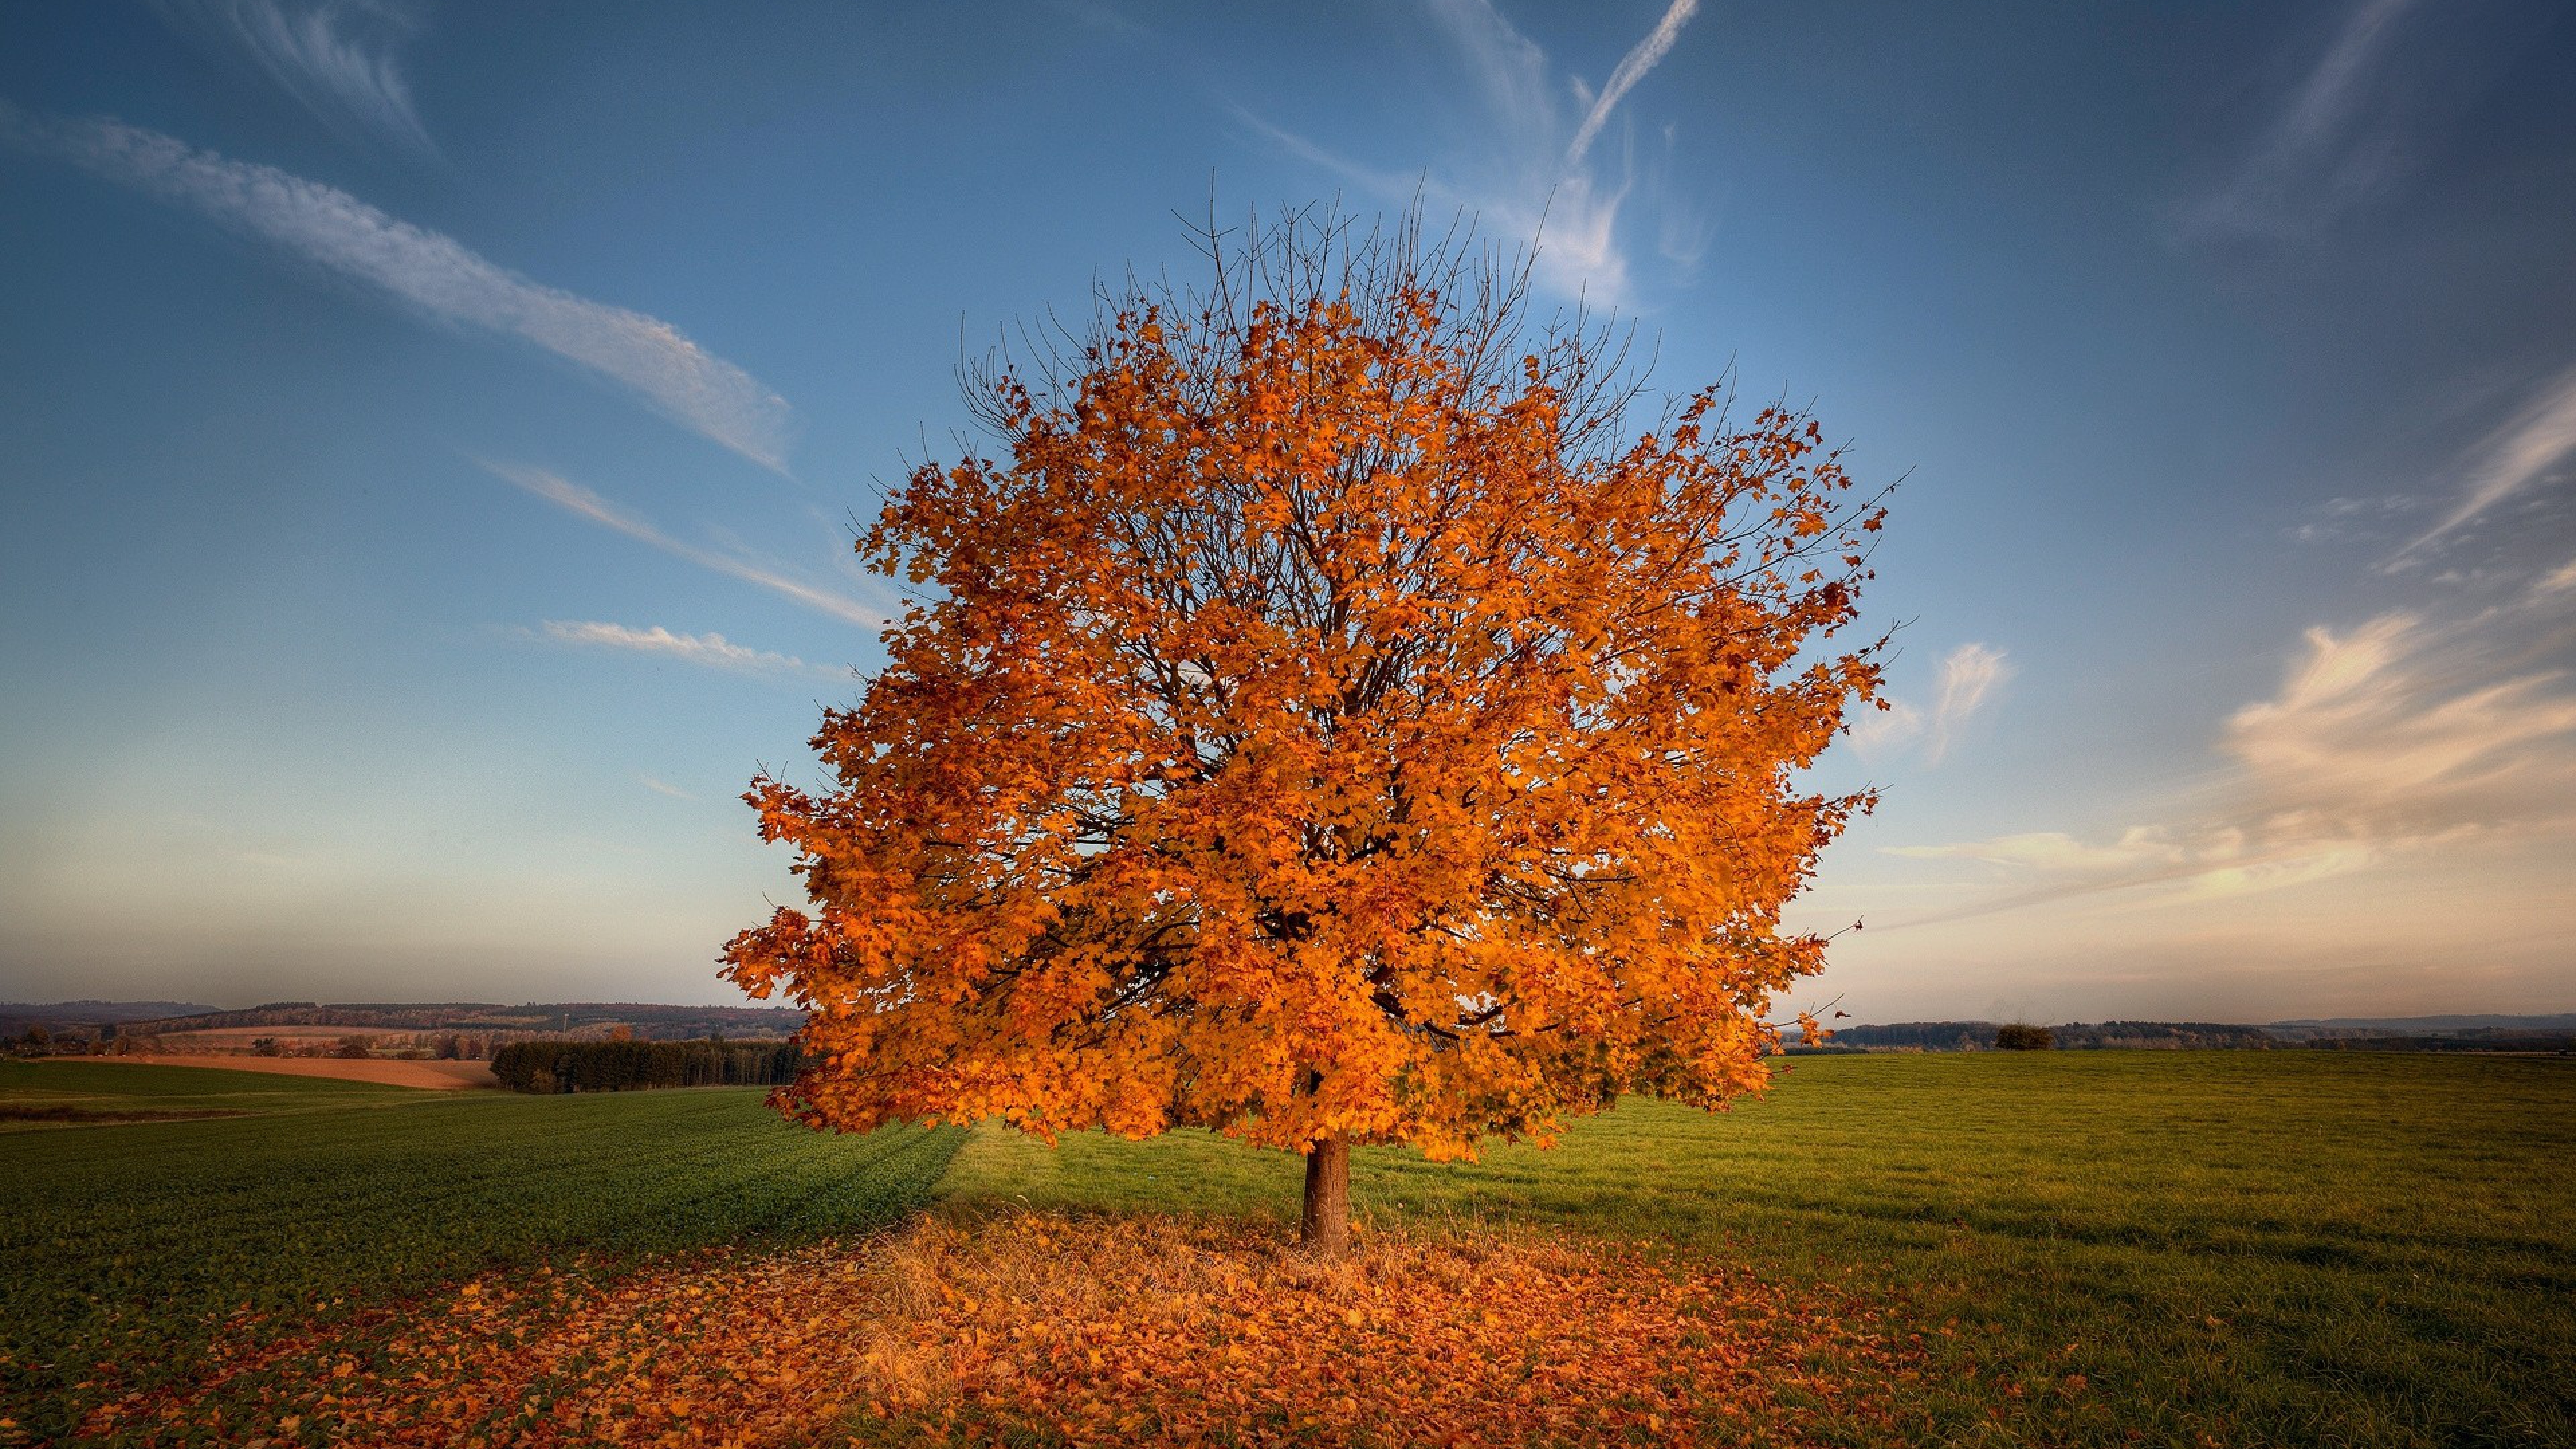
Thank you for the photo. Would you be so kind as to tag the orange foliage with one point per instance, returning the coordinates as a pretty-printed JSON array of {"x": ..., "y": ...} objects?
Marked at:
[
  {"x": 1134, "y": 1331},
  {"x": 1330, "y": 720}
]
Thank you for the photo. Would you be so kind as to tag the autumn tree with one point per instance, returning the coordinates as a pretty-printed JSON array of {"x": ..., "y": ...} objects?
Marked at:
[{"x": 1342, "y": 710}]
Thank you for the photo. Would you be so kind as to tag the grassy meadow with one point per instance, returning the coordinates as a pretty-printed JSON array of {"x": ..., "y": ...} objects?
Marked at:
[
  {"x": 2094, "y": 1248},
  {"x": 2230, "y": 1247},
  {"x": 133, "y": 1246},
  {"x": 40, "y": 1097}
]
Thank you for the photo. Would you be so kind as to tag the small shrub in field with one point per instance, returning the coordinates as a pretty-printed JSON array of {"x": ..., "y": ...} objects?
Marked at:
[{"x": 2022, "y": 1037}]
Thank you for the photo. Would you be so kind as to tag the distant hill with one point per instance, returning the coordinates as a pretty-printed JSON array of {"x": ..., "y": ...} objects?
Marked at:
[
  {"x": 2399, "y": 1033},
  {"x": 647, "y": 1021},
  {"x": 17, "y": 1016},
  {"x": 1944, "y": 1036},
  {"x": 2421, "y": 1025},
  {"x": 485, "y": 1020},
  {"x": 2435, "y": 1033}
]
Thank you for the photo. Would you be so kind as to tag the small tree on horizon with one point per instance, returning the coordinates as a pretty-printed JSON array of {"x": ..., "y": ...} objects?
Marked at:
[{"x": 1341, "y": 713}]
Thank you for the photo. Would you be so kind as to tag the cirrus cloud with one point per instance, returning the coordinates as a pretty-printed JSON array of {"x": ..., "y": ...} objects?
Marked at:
[
  {"x": 2331, "y": 146},
  {"x": 2522, "y": 454},
  {"x": 711, "y": 650},
  {"x": 335, "y": 57},
  {"x": 2401, "y": 735},
  {"x": 426, "y": 270},
  {"x": 1535, "y": 173},
  {"x": 582, "y": 502},
  {"x": 1970, "y": 675}
]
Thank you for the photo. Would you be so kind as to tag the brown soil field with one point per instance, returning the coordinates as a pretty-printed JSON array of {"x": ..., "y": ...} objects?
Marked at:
[{"x": 428, "y": 1075}]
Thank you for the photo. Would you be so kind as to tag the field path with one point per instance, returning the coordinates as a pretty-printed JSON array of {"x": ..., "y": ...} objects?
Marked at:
[{"x": 428, "y": 1076}]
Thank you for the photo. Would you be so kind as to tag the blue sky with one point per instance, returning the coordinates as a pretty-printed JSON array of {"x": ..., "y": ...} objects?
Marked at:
[{"x": 433, "y": 434}]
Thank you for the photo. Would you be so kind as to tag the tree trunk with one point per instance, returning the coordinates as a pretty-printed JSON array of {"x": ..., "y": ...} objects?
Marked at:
[{"x": 1326, "y": 1226}]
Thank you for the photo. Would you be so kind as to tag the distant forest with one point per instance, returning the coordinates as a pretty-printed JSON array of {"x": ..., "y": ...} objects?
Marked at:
[
  {"x": 478, "y": 1029},
  {"x": 630, "y": 1066},
  {"x": 577, "y": 1019},
  {"x": 1971, "y": 1036},
  {"x": 472, "y": 1030},
  {"x": 2438, "y": 1034},
  {"x": 553, "y": 1018}
]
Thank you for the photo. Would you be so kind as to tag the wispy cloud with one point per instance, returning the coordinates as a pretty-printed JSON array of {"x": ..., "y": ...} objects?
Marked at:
[
  {"x": 2343, "y": 520},
  {"x": 1632, "y": 69},
  {"x": 2396, "y": 736},
  {"x": 1970, "y": 675},
  {"x": 663, "y": 787},
  {"x": 2524, "y": 451},
  {"x": 1536, "y": 174},
  {"x": 573, "y": 498},
  {"x": 2055, "y": 850},
  {"x": 435, "y": 273},
  {"x": 1510, "y": 67},
  {"x": 2412, "y": 726},
  {"x": 2331, "y": 146},
  {"x": 1891, "y": 726},
  {"x": 711, "y": 651},
  {"x": 335, "y": 57}
]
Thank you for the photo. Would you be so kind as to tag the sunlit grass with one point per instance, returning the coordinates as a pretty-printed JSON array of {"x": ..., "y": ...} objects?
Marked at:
[
  {"x": 2290, "y": 1247},
  {"x": 125, "y": 1249},
  {"x": 2231, "y": 1248},
  {"x": 53, "y": 1094}
]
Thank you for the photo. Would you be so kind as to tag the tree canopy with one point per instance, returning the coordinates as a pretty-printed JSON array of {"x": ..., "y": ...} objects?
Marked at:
[{"x": 1342, "y": 709}]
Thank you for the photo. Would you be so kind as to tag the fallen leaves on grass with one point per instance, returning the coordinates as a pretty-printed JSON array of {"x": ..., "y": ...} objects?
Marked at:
[
  {"x": 1159, "y": 1330},
  {"x": 1180, "y": 1331}
]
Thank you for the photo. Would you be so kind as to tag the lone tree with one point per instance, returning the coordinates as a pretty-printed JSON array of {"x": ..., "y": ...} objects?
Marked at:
[{"x": 1331, "y": 721}]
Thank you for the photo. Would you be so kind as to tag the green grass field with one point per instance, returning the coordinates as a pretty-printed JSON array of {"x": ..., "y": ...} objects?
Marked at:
[
  {"x": 38, "y": 1097},
  {"x": 2227, "y": 1248},
  {"x": 131, "y": 1244},
  {"x": 2247, "y": 1247}
]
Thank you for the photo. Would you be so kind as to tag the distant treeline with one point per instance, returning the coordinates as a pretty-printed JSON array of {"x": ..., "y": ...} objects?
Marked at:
[
  {"x": 498, "y": 1022},
  {"x": 1971, "y": 1036},
  {"x": 1975, "y": 1036},
  {"x": 634, "y": 1066},
  {"x": 58, "y": 1017},
  {"x": 2561, "y": 1043},
  {"x": 2161, "y": 1034}
]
